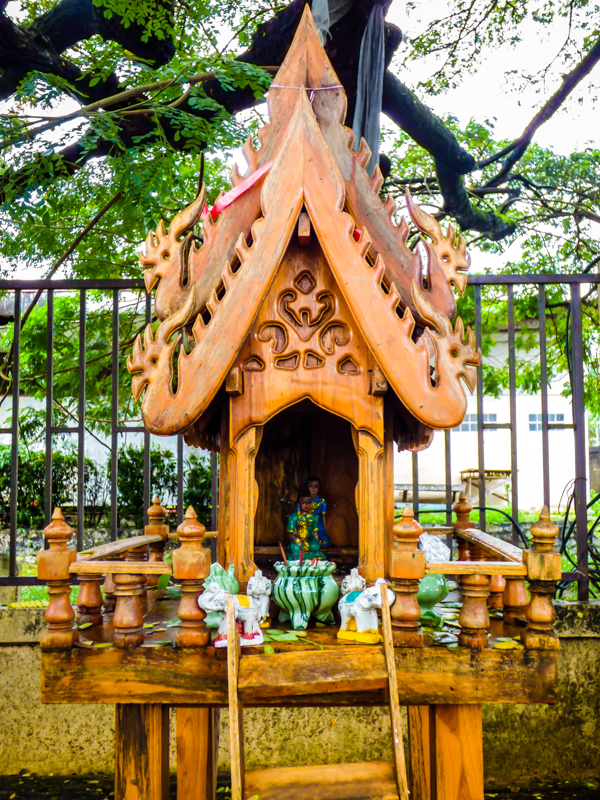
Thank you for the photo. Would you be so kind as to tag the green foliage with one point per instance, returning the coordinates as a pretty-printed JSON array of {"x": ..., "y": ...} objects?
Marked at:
[
  {"x": 130, "y": 481},
  {"x": 197, "y": 491},
  {"x": 163, "y": 478},
  {"x": 32, "y": 486}
]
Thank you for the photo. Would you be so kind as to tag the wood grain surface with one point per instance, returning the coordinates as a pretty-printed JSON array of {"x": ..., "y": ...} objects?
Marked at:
[
  {"x": 374, "y": 780},
  {"x": 348, "y": 675},
  {"x": 141, "y": 752}
]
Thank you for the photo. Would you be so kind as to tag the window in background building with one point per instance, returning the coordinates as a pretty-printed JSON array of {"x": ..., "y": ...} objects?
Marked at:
[
  {"x": 535, "y": 420},
  {"x": 469, "y": 423}
]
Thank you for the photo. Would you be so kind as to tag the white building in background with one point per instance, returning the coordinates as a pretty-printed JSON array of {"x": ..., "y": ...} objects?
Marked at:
[{"x": 497, "y": 456}]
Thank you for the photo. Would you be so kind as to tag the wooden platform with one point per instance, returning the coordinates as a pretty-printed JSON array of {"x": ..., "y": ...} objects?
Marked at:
[{"x": 297, "y": 674}]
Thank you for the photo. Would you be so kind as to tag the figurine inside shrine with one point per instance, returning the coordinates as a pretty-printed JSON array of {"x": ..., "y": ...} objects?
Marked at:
[
  {"x": 303, "y": 531},
  {"x": 318, "y": 507}
]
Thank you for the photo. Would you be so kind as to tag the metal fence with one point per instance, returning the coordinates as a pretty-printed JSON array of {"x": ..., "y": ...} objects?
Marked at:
[{"x": 17, "y": 290}]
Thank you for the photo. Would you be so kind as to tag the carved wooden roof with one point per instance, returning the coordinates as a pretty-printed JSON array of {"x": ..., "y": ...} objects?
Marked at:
[{"x": 399, "y": 311}]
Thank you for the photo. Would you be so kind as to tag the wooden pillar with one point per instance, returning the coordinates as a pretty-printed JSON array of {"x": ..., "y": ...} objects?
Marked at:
[
  {"x": 191, "y": 564},
  {"x": 110, "y": 599},
  {"x": 446, "y": 752},
  {"x": 127, "y": 619},
  {"x": 515, "y": 600},
  {"x": 197, "y": 752},
  {"x": 141, "y": 751},
  {"x": 544, "y": 568},
  {"x": 89, "y": 599},
  {"x": 458, "y": 753},
  {"x": 474, "y": 618},
  {"x": 497, "y": 587},
  {"x": 421, "y": 724},
  {"x": 243, "y": 495},
  {"x": 53, "y": 567},
  {"x": 137, "y": 554},
  {"x": 156, "y": 515},
  {"x": 371, "y": 505},
  {"x": 407, "y": 567}
]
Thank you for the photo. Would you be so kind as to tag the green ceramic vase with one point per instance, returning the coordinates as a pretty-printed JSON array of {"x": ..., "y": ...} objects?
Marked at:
[
  {"x": 302, "y": 591},
  {"x": 432, "y": 589}
]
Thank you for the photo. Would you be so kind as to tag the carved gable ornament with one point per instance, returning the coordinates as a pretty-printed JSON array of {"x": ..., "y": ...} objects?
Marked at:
[{"x": 338, "y": 315}]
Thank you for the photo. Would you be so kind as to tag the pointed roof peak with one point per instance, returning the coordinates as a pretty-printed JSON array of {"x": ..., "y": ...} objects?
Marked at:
[{"x": 306, "y": 65}]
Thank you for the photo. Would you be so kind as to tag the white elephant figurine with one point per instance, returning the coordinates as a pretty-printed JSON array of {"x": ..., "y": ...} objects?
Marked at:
[
  {"x": 247, "y": 615},
  {"x": 259, "y": 587},
  {"x": 358, "y": 611},
  {"x": 353, "y": 582}
]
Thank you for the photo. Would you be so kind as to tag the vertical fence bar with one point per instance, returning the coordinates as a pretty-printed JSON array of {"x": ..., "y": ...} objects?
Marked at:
[
  {"x": 14, "y": 447},
  {"x": 49, "y": 404},
  {"x": 147, "y": 445},
  {"x": 214, "y": 491},
  {"x": 114, "y": 419},
  {"x": 81, "y": 422},
  {"x": 580, "y": 455},
  {"x": 512, "y": 386},
  {"x": 480, "y": 445},
  {"x": 448, "y": 474},
  {"x": 179, "y": 479},
  {"x": 415, "y": 483},
  {"x": 544, "y": 393}
]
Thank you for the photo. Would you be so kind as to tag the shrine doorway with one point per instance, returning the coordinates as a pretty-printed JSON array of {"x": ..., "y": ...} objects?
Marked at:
[{"x": 298, "y": 442}]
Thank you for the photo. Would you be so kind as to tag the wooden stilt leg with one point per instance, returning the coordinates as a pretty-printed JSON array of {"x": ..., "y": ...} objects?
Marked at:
[
  {"x": 197, "y": 751},
  {"x": 457, "y": 750},
  {"x": 141, "y": 751},
  {"x": 421, "y": 724}
]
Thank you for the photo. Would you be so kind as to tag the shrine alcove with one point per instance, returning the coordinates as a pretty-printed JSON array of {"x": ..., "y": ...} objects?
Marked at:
[{"x": 298, "y": 442}]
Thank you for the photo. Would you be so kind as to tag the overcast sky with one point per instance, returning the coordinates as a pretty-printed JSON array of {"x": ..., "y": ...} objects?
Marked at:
[{"x": 489, "y": 94}]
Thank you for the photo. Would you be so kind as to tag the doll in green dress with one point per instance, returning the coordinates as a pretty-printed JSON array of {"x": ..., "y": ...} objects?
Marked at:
[
  {"x": 318, "y": 507},
  {"x": 303, "y": 531}
]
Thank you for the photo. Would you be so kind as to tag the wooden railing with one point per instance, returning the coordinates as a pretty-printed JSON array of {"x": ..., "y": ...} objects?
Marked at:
[
  {"x": 491, "y": 573},
  {"x": 127, "y": 568}
]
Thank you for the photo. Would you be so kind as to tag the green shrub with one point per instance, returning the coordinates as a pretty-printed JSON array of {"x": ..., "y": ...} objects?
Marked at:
[{"x": 31, "y": 504}]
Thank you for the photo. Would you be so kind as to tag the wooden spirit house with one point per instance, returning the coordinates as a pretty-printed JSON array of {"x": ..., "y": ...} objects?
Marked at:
[{"x": 302, "y": 336}]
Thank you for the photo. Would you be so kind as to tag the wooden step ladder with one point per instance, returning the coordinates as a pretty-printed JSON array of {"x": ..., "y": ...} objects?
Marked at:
[{"x": 379, "y": 780}]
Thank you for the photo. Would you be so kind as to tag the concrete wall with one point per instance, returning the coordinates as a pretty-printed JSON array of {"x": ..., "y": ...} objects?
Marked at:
[{"x": 521, "y": 743}]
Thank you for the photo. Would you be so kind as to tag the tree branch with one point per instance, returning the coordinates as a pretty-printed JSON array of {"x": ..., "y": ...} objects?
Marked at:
[
  {"x": 516, "y": 150},
  {"x": 451, "y": 160}
]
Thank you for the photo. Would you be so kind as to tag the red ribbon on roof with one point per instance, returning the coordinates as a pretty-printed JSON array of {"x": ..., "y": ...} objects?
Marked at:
[{"x": 229, "y": 197}]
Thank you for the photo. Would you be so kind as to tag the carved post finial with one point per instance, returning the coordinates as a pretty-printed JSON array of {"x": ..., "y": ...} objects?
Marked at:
[
  {"x": 407, "y": 530},
  {"x": 407, "y": 567},
  {"x": 191, "y": 563},
  {"x": 544, "y": 568},
  {"x": 544, "y": 532},
  {"x": 462, "y": 509},
  {"x": 53, "y": 567},
  {"x": 156, "y": 515},
  {"x": 156, "y": 512}
]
